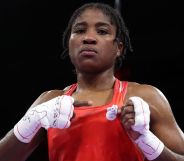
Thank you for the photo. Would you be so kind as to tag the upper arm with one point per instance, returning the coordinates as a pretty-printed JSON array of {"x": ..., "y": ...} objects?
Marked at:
[
  {"x": 47, "y": 95},
  {"x": 13, "y": 149},
  {"x": 41, "y": 134},
  {"x": 162, "y": 121}
]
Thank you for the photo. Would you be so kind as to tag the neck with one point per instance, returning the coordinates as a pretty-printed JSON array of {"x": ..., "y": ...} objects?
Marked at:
[{"x": 95, "y": 82}]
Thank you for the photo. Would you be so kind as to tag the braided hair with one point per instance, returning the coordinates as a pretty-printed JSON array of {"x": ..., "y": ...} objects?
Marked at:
[{"x": 122, "y": 34}]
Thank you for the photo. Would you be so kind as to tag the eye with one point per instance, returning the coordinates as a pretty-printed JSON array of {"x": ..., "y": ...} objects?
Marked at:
[
  {"x": 78, "y": 30},
  {"x": 102, "y": 31}
]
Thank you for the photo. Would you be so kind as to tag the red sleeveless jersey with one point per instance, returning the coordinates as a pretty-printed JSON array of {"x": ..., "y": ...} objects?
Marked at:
[{"x": 92, "y": 136}]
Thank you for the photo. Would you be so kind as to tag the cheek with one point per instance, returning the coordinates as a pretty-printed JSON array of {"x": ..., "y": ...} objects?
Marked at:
[
  {"x": 73, "y": 48},
  {"x": 73, "y": 45},
  {"x": 109, "y": 51},
  {"x": 70, "y": 46}
]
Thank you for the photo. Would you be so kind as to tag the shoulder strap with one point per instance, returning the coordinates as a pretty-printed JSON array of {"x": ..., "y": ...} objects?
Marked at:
[
  {"x": 121, "y": 93},
  {"x": 69, "y": 90}
]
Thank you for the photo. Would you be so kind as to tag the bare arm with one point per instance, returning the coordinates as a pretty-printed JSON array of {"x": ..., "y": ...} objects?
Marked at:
[
  {"x": 11, "y": 149},
  {"x": 165, "y": 127},
  {"x": 162, "y": 122},
  {"x": 168, "y": 145}
]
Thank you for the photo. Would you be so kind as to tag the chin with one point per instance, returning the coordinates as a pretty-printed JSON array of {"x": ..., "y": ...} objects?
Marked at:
[{"x": 88, "y": 69}]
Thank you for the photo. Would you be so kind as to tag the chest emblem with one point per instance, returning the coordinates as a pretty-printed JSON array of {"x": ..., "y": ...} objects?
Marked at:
[{"x": 111, "y": 113}]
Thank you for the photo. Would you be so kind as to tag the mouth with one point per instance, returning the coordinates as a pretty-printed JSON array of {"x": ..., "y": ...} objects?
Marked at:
[{"x": 88, "y": 52}]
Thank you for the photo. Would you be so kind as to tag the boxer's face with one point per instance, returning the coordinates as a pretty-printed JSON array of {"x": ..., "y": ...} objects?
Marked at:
[{"x": 92, "y": 45}]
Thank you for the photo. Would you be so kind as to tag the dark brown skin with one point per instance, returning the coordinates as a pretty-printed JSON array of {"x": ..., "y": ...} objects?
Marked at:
[
  {"x": 161, "y": 120},
  {"x": 20, "y": 151},
  {"x": 93, "y": 52}
]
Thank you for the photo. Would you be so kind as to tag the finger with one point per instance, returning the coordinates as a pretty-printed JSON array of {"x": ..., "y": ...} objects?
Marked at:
[
  {"x": 127, "y": 124},
  {"x": 134, "y": 134},
  {"x": 129, "y": 102},
  {"x": 126, "y": 109},
  {"x": 120, "y": 110},
  {"x": 128, "y": 117},
  {"x": 82, "y": 103},
  {"x": 73, "y": 116}
]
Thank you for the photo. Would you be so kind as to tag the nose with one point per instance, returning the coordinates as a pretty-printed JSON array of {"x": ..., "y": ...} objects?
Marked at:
[{"x": 89, "y": 39}]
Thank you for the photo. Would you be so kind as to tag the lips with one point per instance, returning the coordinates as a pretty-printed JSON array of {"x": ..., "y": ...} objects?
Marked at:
[{"x": 88, "y": 52}]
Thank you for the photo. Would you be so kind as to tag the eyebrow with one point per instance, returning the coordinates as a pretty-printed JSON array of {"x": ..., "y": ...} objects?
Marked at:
[{"x": 98, "y": 24}]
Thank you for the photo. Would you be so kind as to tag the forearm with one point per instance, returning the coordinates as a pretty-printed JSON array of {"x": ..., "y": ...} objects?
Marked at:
[
  {"x": 168, "y": 155},
  {"x": 30, "y": 130},
  {"x": 152, "y": 146},
  {"x": 12, "y": 149}
]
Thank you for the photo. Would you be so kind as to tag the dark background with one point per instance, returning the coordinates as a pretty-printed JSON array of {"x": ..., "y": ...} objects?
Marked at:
[{"x": 30, "y": 38}]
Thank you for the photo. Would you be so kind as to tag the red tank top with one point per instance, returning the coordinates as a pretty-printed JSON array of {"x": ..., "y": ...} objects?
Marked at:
[{"x": 92, "y": 136}]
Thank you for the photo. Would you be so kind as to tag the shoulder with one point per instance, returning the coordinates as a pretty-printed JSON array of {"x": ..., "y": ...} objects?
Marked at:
[
  {"x": 161, "y": 115},
  {"x": 55, "y": 92},
  {"x": 157, "y": 101},
  {"x": 148, "y": 92},
  {"x": 47, "y": 95}
]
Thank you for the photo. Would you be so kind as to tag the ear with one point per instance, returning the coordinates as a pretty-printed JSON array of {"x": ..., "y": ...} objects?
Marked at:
[{"x": 119, "y": 48}]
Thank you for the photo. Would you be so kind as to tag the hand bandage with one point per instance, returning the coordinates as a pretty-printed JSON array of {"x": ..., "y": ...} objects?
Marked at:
[
  {"x": 142, "y": 115},
  {"x": 150, "y": 145},
  {"x": 55, "y": 113}
]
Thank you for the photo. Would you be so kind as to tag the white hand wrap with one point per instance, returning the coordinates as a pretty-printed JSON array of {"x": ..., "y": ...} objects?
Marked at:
[
  {"x": 55, "y": 113},
  {"x": 150, "y": 145}
]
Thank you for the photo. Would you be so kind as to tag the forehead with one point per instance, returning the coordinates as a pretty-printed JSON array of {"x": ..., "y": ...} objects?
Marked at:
[{"x": 92, "y": 15}]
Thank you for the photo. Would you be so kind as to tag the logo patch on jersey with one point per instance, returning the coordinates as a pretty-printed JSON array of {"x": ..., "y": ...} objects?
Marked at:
[{"x": 111, "y": 113}]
